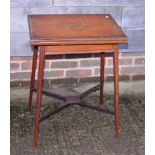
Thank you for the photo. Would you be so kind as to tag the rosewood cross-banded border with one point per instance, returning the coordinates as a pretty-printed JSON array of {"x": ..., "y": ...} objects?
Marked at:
[{"x": 74, "y": 34}]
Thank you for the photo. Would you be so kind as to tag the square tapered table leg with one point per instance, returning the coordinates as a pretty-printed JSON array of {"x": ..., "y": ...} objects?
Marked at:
[
  {"x": 102, "y": 65},
  {"x": 39, "y": 94},
  {"x": 32, "y": 82},
  {"x": 116, "y": 89}
]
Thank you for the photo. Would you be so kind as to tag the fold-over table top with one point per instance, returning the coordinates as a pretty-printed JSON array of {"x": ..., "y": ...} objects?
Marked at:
[{"x": 77, "y": 29}]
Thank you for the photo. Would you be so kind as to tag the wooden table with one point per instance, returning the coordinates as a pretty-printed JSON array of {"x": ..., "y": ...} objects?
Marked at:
[{"x": 74, "y": 34}]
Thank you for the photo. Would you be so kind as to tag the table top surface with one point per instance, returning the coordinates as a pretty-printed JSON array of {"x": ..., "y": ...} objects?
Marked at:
[{"x": 75, "y": 29}]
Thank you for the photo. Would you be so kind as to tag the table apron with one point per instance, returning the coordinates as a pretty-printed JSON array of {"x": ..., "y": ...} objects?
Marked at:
[{"x": 77, "y": 49}]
